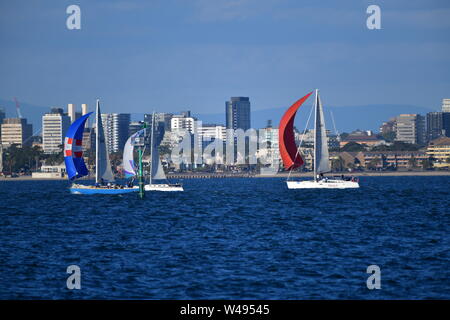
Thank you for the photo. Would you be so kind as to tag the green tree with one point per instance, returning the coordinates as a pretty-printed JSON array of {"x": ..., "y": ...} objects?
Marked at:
[
  {"x": 353, "y": 147},
  {"x": 389, "y": 136}
]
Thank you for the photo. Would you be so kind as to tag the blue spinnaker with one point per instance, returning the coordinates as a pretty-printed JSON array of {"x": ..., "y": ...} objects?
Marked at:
[{"x": 73, "y": 149}]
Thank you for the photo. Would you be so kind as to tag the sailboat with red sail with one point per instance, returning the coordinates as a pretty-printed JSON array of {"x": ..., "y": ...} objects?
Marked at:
[{"x": 292, "y": 157}]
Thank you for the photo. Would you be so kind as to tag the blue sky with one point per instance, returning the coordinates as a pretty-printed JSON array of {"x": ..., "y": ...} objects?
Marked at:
[{"x": 172, "y": 55}]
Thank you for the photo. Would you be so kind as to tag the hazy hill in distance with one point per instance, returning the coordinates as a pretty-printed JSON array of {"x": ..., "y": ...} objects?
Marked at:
[{"x": 347, "y": 119}]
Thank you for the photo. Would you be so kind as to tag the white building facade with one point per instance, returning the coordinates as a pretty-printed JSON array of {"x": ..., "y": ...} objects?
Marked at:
[{"x": 54, "y": 127}]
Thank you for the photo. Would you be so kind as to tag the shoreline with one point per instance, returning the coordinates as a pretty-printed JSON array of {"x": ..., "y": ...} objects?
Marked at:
[{"x": 278, "y": 175}]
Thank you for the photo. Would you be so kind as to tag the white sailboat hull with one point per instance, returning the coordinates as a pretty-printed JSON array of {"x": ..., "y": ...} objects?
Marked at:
[
  {"x": 322, "y": 184},
  {"x": 163, "y": 187}
]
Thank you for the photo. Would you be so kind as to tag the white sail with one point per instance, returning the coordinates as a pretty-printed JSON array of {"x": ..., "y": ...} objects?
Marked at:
[
  {"x": 157, "y": 168},
  {"x": 129, "y": 167},
  {"x": 103, "y": 167},
  {"x": 321, "y": 156}
]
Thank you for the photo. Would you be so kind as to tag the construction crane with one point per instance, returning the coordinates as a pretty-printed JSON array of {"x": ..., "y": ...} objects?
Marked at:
[{"x": 19, "y": 115}]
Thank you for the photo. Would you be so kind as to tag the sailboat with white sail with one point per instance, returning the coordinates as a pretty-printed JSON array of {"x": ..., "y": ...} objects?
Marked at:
[
  {"x": 291, "y": 155},
  {"x": 157, "y": 174},
  {"x": 76, "y": 168}
]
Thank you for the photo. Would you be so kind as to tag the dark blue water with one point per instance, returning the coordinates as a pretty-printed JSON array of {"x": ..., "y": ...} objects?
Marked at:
[{"x": 228, "y": 238}]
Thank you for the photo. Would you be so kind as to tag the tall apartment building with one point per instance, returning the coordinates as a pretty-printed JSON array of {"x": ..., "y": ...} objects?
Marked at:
[
  {"x": 71, "y": 112},
  {"x": 445, "y": 105},
  {"x": 116, "y": 126},
  {"x": 88, "y": 139},
  {"x": 16, "y": 131},
  {"x": 209, "y": 132},
  {"x": 54, "y": 127},
  {"x": 2, "y": 116},
  {"x": 237, "y": 113},
  {"x": 410, "y": 128},
  {"x": 438, "y": 125},
  {"x": 181, "y": 122},
  {"x": 84, "y": 109}
]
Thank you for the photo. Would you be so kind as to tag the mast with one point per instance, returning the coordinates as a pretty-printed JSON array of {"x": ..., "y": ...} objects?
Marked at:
[
  {"x": 97, "y": 141},
  {"x": 141, "y": 172},
  {"x": 315, "y": 134},
  {"x": 151, "y": 147}
]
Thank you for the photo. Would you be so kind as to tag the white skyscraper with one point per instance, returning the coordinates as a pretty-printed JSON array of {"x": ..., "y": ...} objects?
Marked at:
[
  {"x": 410, "y": 128},
  {"x": 445, "y": 105},
  {"x": 71, "y": 112},
  {"x": 181, "y": 123},
  {"x": 54, "y": 127},
  {"x": 84, "y": 109}
]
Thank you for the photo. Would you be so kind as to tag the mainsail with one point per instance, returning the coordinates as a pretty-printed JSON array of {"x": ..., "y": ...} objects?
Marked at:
[
  {"x": 103, "y": 166},
  {"x": 288, "y": 149},
  {"x": 157, "y": 168},
  {"x": 129, "y": 167},
  {"x": 321, "y": 156},
  {"x": 73, "y": 149}
]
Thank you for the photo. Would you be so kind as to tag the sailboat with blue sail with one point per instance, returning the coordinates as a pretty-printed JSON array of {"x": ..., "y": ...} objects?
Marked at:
[{"x": 76, "y": 168}]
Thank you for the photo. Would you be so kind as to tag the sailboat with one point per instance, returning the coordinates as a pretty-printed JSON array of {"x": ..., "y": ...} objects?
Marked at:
[
  {"x": 76, "y": 168},
  {"x": 157, "y": 170},
  {"x": 292, "y": 158}
]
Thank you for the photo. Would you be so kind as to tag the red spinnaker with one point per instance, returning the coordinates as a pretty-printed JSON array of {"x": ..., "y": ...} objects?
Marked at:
[{"x": 288, "y": 148}]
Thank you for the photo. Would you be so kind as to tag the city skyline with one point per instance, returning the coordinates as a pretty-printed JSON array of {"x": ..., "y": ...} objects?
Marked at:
[{"x": 134, "y": 53}]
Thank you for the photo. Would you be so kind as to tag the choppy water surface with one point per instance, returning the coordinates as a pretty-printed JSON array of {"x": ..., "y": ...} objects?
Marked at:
[{"x": 228, "y": 238}]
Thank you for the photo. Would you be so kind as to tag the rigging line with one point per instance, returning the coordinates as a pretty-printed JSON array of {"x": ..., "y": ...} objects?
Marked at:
[
  {"x": 303, "y": 135},
  {"x": 33, "y": 135},
  {"x": 334, "y": 124}
]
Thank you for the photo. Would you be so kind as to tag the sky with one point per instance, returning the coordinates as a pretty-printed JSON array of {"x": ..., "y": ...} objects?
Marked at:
[{"x": 172, "y": 55}]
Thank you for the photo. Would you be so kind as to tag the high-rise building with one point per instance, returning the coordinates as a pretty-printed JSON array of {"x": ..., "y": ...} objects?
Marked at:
[
  {"x": 16, "y": 131},
  {"x": 237, "y": 113},
  {"x": 2, "y": 116},
  {"x": 71, "y": 112},
  {"x": 445, "y": 105},
  {"x": 84, "y": 109},
  {"x": 434, "y": 125},
  {"x": 410, "y": 128},
  {"x": 54, "y": 127},
  {"x": 446, "y": 123},
  {"x": 116, "y": 127},
  {"x": 88, "y": 139},
  {"x": 209, "y": 132},
  {"x": 181, "y": 122}
]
